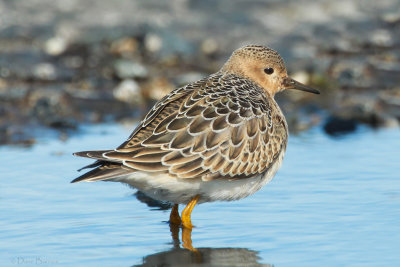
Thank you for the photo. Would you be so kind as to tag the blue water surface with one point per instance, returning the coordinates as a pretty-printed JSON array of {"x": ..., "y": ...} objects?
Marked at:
[{"x": 335, "y": 202}]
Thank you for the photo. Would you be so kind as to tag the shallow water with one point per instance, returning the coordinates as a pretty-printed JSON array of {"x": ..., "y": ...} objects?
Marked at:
[{"x": 335, "y": 202}]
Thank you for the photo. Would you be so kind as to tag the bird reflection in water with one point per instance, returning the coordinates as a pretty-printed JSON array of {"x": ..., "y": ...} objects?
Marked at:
[
  {"x": 185, "y": 254},
  {"x": 190, "y": 256}
]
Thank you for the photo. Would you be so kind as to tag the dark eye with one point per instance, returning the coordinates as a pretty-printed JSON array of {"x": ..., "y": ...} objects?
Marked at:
[{"x": 269, "y": 71}]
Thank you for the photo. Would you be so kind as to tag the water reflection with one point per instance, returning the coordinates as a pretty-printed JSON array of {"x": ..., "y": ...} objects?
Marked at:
[
  {"x": 183, "y": 252},
  {"x": 190, "y": 256}
]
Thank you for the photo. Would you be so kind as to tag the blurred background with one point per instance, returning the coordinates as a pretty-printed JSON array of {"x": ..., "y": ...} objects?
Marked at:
[
  {"x": 67, "y": 63},
  {"x": 79, "y": 74}
]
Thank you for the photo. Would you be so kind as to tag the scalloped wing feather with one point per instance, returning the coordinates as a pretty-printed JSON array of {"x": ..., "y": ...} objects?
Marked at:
[{"x": 220, "y": 127}]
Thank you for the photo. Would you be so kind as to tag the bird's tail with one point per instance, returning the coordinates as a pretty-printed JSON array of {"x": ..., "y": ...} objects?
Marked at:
[
  {"x": 107, "y": 169},
  {"x": 107, "y": 172}
]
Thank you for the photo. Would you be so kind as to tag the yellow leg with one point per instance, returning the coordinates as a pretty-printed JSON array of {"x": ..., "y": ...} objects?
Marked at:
[
  {"x": 186, "y": 221},
  {"x": 187, "y": 239},
  {"x": 174, "y": 216}
]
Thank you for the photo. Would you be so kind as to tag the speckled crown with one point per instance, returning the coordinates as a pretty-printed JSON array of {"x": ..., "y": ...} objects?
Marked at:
[{"x": 260, "y": 52}]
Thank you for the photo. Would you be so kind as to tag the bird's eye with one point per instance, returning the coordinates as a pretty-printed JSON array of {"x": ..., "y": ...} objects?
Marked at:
[{"x": 269, "y": 71}]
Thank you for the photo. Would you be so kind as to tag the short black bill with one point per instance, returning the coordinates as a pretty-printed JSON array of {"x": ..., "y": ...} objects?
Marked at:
[{"x": 289, "y": 83}]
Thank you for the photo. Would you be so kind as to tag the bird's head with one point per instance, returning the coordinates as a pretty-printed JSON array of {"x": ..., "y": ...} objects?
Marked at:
[{"x": 265, "y": 67}]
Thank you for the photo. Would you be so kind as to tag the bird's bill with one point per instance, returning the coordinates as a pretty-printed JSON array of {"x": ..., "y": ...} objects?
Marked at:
[{"x": 289, "y": 83}]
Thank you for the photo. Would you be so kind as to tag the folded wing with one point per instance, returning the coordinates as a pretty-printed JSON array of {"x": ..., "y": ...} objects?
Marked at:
[{"x": 220, "y": 127}]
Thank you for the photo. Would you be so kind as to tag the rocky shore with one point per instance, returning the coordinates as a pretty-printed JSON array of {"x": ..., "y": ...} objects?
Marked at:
[{"x": 64, "y": 63}]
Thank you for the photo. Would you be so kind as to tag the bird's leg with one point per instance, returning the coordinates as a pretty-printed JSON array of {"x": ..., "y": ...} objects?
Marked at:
[
  {"x": 186, "y": 222},
  {"x": 174, "y": 216}
]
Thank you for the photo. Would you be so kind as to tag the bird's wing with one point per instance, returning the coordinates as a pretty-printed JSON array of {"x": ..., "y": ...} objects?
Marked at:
[{"x": 221, "y": 127}]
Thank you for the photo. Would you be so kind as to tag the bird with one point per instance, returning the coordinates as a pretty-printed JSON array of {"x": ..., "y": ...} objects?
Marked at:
[{"x": 221, "y": 138}]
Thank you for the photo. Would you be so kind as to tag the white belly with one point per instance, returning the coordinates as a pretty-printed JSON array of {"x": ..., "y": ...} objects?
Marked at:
[{"x": 180, "y": 191}]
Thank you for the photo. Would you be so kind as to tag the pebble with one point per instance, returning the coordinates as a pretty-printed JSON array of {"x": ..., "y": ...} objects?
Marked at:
[
  {"x": 157, "y": 88},
  {"x": 337, "y": 126},
  {"x": 382, "y": 38},
  {"x": 3, "y": 83},
  {"x": 128, "y": 91},
  {"x": 55, "y": 46},
  {"x": 125, "y": 69},
  {"x": 153, "y": 43},
  {"x": 209, "y": 46},
  {"x": 124, "y": 46},
  {"x": 391, "y": 17},
  {"x": 390, "y": 121},
  {"x": 351, "y": 73},
  {"x": 44, "y": 71},
  {"x": 301, "y": 76}
]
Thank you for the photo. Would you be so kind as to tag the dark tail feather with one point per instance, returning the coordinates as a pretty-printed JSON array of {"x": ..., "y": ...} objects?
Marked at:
[
  {"x": 93, "y": 165},
  {"x": 103, "y": 173}
]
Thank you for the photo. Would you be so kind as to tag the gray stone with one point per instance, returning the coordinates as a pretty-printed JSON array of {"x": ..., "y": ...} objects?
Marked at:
[
  {"x": 45, "y": 71},
  {"x": 55, "y": 46},
  {"x": 128, "y": 69},
  {"x": 128, "y": 91}
]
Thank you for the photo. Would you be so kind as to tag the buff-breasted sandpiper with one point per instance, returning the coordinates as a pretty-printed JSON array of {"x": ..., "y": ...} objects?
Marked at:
[{"x": 220, "y": 138}]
